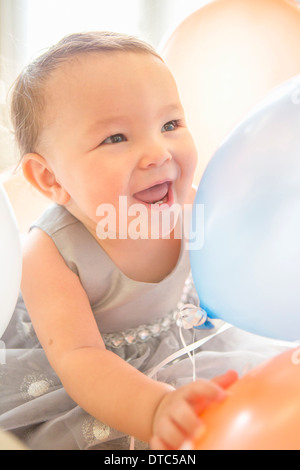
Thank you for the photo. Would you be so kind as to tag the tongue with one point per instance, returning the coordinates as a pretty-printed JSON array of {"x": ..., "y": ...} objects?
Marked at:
[{"x": 153, "y": 194}]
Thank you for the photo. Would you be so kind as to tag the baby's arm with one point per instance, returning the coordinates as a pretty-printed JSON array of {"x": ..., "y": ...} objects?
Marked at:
[{"x": 98, "y": 380}]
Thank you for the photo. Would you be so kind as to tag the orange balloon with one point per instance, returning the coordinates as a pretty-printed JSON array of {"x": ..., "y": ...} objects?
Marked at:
[
  {"x": 262, "y": 411},
  {"x": 225, "y": 57}
]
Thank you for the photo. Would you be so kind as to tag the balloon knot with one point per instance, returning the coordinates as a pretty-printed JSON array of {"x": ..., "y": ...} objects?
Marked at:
[{"x": 190, "y": 316}]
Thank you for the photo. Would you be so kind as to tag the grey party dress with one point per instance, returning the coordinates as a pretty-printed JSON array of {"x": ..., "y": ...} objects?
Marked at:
[{"x": 137, "y": 322}]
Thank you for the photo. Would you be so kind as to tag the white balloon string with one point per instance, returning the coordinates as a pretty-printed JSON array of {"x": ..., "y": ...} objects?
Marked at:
[
  {"x": 186, "y": 350},
  {"x": 192, "y": 357}
]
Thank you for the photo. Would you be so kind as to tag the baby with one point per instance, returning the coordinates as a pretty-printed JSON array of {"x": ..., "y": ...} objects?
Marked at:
[{"x": 99, "y": 123}]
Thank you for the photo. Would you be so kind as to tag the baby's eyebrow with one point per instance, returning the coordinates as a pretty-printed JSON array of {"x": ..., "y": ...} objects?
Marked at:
[
  {"x": 173, "y": 107},
  {"x": 119, "y": 118},
  {"x": 104, "y": 121}
]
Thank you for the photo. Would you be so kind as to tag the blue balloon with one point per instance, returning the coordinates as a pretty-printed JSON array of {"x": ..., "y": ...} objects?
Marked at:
[{"x": 247, "y": 271}]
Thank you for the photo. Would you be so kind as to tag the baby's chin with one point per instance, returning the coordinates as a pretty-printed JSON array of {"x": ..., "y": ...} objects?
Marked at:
[{"x": 139, "y": 223}]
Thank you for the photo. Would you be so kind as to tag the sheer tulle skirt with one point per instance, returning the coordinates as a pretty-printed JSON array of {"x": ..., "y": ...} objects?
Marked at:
[{"x": 36, "y": 408}]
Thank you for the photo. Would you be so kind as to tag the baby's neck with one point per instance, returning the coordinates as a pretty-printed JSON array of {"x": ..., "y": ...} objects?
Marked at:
[{"x": 144, "y": 260}]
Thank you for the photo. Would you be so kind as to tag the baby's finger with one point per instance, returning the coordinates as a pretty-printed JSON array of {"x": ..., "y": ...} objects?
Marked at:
[
  {"x": 203, "y": 390},
  {"x": 188, "y": 443},
  {"x": 202, "y": 393},
  {"x": 222, "y": 382},
  {"x": 227, "y": 379},
  {"x": 185, "y": 418},
  {"x": 170, "y": 433},
  {"x": 156, "y": 443}
]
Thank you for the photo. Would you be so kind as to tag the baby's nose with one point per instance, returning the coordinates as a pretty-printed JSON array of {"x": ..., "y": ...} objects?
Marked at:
[{"x": 154, "y": 156}]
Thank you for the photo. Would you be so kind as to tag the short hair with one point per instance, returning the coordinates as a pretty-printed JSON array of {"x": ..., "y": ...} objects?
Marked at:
[{"x": 28, "y": 91}]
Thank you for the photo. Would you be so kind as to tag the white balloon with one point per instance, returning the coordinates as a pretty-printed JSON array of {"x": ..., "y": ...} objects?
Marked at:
[{"x": 10, "y": 261}]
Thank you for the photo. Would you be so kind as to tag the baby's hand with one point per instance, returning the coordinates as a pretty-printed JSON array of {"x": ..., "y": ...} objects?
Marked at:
[{"x": 177, "y": 416}]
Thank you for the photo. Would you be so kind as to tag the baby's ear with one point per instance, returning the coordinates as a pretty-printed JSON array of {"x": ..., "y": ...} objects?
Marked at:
[{"x": 39, "y": 173}]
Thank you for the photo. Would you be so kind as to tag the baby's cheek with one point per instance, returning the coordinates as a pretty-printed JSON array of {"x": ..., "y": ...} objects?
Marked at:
[{"x": 191, "y": 155}]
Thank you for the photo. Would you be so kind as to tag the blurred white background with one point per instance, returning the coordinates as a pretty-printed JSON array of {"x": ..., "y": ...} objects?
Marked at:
[{"x": 29, "y": 26}]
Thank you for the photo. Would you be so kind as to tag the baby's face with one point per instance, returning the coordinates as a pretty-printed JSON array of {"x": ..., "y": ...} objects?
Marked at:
[{"x": 116, "y": 127}]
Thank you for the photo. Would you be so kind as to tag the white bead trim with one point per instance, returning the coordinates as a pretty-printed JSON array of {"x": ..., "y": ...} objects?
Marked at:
[{"x": 144, "y": 333}]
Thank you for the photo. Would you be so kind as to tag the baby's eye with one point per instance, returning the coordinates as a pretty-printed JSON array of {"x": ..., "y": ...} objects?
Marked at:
[
  {"x": 114, "y": 139},
  {"x": 170, "y": 126}
]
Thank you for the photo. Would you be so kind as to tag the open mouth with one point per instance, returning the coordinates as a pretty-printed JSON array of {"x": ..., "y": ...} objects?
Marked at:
[{"x": 155, "y": 195}]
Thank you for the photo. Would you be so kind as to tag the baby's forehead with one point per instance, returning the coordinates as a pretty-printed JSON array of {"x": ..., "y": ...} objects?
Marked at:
[
  {"x": 69, "y": 73},
  {"x": 105, "y": 58},
  {"x": 103, "y": 68},
  {"x": 77, "y": 83}
]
